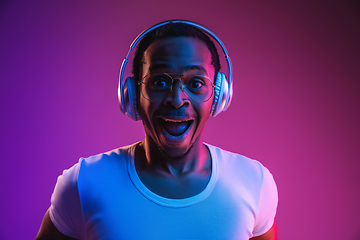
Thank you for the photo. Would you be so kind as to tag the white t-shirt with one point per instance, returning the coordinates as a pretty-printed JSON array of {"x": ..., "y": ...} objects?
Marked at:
[{"x": 102, "y": 197}]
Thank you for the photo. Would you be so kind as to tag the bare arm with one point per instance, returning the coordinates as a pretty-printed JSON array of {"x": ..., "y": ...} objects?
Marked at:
[
  {"x": 49, "y": 231},
  {"x": 269, "y": 235}
]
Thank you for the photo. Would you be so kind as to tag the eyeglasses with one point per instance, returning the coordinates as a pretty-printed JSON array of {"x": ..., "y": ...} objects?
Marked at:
[{"x": 156, "y": 86}]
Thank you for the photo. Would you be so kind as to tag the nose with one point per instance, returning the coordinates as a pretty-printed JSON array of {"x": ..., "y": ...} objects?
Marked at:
[{"x": 177, "y": 96}]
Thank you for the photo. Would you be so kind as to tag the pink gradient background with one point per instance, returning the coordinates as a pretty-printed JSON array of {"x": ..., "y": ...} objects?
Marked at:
[{"x": 295, "y": 108}]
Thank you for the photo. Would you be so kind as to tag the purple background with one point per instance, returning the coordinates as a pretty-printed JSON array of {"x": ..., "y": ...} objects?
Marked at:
[{"x": 295, "y": 108}]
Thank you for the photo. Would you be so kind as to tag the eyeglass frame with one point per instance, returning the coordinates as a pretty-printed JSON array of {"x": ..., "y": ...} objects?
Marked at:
[{"x": 182, "y": 85}]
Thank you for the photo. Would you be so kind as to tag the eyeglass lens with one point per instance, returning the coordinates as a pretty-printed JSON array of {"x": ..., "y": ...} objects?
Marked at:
[{"x": 156, "y": 86}]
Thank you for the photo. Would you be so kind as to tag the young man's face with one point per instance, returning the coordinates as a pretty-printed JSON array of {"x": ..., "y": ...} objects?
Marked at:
[{"x": 175, "y": 122}]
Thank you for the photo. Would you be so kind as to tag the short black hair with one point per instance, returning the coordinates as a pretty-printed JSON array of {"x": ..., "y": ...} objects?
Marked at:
[{"x": 173, "y": 30}]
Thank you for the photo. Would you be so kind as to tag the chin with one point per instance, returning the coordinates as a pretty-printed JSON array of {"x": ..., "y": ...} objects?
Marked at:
[
  {"x": 174, "y": 148},
  {"x": 175, "y": 152}
]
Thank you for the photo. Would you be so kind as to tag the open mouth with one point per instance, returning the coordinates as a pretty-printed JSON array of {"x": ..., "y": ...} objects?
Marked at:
[{"x": 175, "y": 127}]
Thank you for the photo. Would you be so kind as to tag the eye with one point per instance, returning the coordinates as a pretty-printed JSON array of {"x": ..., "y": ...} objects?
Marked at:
[
  {"x": 196, "y": 83},
  {"x": 158, "y": 83}
]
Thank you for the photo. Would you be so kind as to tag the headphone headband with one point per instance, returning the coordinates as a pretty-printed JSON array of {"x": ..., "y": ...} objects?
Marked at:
[{"x": 196, "y": 25}]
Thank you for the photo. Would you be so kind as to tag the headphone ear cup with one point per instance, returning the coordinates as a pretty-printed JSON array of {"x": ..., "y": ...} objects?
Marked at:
[
  {"x": 129, "y": 106},
  {"x": 220, "y": 94}
]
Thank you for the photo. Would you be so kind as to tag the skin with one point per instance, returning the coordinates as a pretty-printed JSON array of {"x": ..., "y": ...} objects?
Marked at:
[
  {"x": 175, "y": 166},
  {"x": 171, "y": 166},
  {"x": 48, "y": 231},
  {"x": 187, "y": 172}
]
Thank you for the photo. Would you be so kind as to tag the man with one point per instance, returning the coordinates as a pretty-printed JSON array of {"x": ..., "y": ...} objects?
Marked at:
[{"x": 170, "y": 185}]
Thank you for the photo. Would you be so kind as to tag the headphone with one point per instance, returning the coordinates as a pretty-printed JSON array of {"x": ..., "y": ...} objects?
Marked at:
[{"x": 223, "y": 90}]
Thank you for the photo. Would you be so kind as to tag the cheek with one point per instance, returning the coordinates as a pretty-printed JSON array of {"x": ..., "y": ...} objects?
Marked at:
[
  {"x": 203, "y": 111},
  {"x": 143, "y": 108},
  {"x": 146, "y": 111},
  {"x": 209, "y": 105}
]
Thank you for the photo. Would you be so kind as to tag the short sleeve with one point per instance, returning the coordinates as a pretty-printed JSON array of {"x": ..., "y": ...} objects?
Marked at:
[
  {"x": 65, "y": 210},
  {"x": 267, "y": 204}
]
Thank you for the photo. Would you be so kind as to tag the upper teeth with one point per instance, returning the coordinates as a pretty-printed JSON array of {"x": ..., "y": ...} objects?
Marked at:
[{"x": 173, "y": 120}]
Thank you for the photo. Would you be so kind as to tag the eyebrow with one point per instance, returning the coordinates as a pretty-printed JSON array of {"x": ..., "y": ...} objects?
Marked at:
[
  {"x": 167, "y": 66},
  {"x": 196, "y": 67}
]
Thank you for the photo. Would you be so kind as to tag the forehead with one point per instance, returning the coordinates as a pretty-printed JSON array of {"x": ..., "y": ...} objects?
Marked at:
[{"x": 177, "y": 54}]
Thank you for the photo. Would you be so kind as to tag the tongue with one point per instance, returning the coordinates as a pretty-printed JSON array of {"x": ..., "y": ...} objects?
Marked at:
[{"x": 175, "y": 128}]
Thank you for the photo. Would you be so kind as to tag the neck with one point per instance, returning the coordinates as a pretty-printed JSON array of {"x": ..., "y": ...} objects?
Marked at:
[{"x": 152, "y": 157}]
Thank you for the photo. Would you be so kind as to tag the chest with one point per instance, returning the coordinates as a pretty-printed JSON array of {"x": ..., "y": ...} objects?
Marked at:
[{"x": 120, "y": 211}]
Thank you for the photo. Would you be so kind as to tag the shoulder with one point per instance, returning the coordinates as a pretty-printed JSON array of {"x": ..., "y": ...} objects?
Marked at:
[
  {"x": 105, "y": 169},
  {"x": 253, "y": 181},
  {"x": 241, "y": 170},
  {"x": 236, "y": 161},
  {"x": 115, "y": 153},
  {"x": 67, "y": 182},
  {"x": 113, "y": 156}
]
